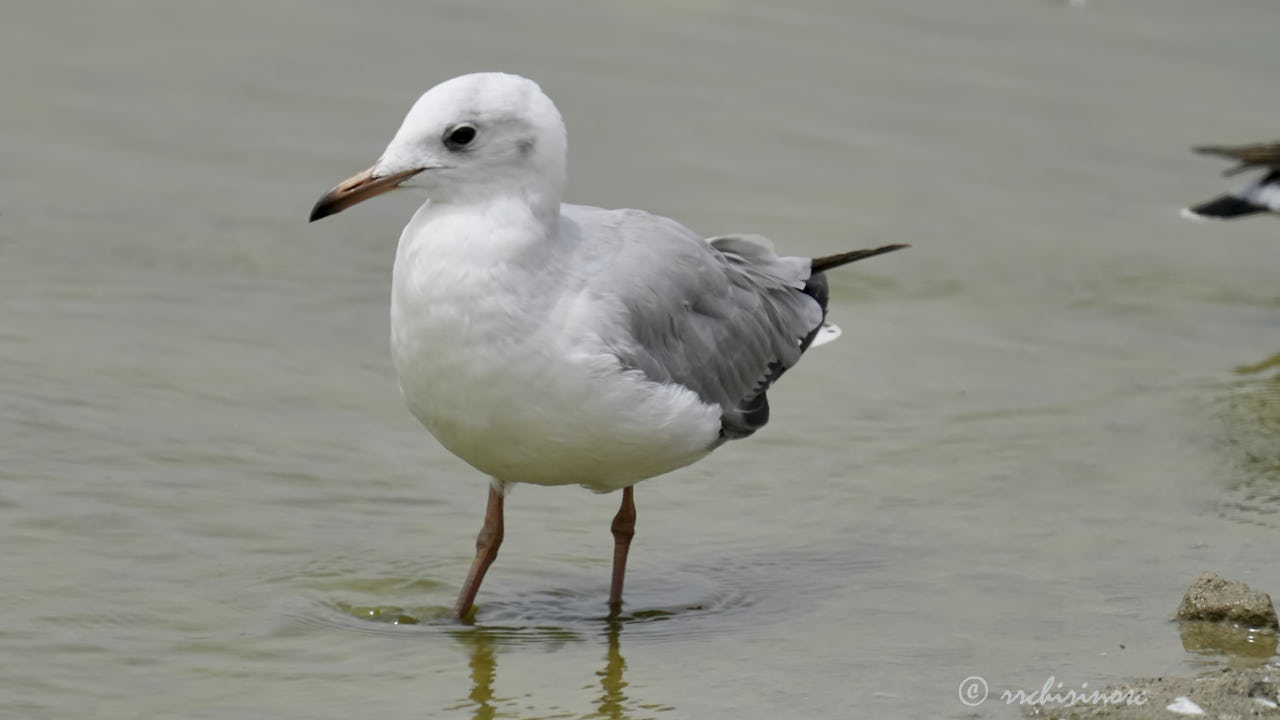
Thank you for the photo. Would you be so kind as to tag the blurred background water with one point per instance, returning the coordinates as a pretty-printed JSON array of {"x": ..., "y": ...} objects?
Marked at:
[{"x": 1040, "y": 425}]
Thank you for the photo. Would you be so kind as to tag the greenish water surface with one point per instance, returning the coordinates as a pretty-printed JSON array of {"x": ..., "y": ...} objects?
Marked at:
[{"x": 1039, "y": 426}]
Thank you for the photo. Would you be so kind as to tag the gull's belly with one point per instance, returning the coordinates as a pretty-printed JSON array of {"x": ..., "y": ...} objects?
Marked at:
[{"x": 525, "y": 401}]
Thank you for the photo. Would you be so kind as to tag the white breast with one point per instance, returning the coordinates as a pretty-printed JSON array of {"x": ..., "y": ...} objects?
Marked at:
[{"x": 501, "y": 360}]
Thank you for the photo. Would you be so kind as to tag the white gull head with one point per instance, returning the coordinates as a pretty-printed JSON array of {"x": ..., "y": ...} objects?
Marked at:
[{"x": 466, "y": 140}]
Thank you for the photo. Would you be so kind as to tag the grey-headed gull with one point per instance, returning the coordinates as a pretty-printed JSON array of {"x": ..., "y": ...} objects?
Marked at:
[{"x": 559, "y": 344}]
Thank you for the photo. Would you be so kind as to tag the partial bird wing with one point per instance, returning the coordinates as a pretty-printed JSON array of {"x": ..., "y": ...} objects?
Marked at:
[
  {"x": 723, "y": 317},
  {"x": 1265, "y": 155}
]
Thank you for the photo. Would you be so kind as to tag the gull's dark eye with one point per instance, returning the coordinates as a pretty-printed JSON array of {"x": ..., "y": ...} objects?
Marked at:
[{"x": 459, "y": 136}]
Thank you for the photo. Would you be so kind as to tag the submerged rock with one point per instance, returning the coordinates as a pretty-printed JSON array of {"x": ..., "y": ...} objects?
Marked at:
[
  {"x": 1212, "y": 598},
  {"x": 1217, "y": 616},
  {"x": 1246, "y": 644}
]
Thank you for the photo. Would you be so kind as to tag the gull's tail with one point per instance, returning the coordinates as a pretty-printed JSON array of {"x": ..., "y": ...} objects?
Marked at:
[{"x": 822, "y": 264}]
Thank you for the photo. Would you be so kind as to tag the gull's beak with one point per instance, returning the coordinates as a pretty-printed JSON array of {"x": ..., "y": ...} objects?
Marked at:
[{"x": 356, "y": 189}]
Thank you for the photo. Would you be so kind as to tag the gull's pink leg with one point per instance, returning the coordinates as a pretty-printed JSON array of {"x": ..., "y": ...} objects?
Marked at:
[
  {"x": 487, "y": 543},
  {"x": 624, "y": 528}
]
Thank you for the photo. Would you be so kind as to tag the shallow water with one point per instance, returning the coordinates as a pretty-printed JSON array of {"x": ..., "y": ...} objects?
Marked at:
[{"x": 1039, "y": 427}]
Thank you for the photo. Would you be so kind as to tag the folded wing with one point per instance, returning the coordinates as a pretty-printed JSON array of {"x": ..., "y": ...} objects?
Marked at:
[{"x": 723, "y": 317}]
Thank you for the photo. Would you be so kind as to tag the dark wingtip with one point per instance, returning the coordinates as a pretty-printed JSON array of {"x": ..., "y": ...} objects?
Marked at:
[
  {"x": 1247, "y": 156},
  {"x": 822, "y": 264},
  {"x": 1222, "y": 151},
  {"x": 1226, "y": 151}
]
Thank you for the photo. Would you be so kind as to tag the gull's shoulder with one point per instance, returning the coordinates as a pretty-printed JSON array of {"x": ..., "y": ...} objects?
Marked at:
[
  {"x": 628, "y": 225},
  {"x": 637, "y": 239}
]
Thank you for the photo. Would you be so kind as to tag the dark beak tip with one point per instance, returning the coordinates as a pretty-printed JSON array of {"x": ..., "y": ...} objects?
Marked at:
[
  {"x": 356, "y": 189},
  {"x": 322, "y": 209}
]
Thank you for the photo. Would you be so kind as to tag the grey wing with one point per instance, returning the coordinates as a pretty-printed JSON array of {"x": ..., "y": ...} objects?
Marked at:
[{"x": 723, "y": 317}]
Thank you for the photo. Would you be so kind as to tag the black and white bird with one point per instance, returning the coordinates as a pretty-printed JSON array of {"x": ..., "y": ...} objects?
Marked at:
[{"x": 1261, "y": 195}]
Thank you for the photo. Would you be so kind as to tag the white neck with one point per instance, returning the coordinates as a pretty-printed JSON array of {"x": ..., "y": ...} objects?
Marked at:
[
  {"x": 493, "y": 232},
  {"x": 475, "y": 270},
  {"x": 507, "y": 192}
]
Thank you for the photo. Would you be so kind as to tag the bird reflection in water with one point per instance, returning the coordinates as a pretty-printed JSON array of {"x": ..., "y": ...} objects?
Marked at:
[
  {"x": 612, "y": 699},
  {"x": 484, "y": 667},
  {"x": 612, "y": 702}
]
